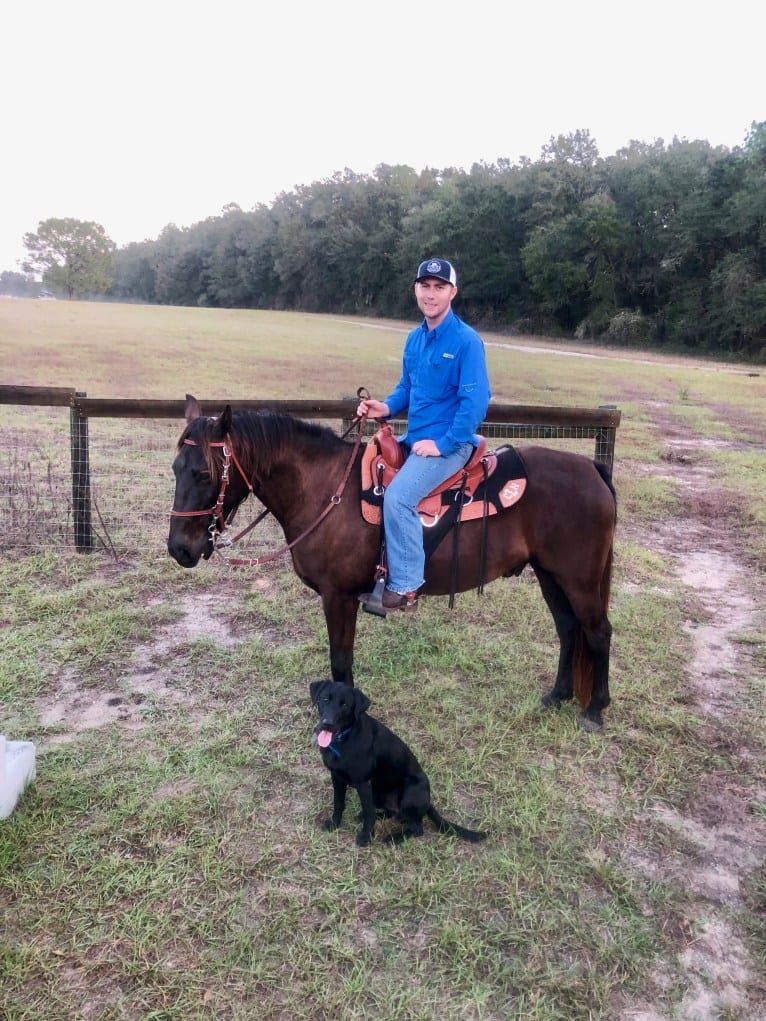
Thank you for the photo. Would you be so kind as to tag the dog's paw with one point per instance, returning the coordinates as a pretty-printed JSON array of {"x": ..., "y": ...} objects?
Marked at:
[
  {"x": 330, "y": 825},
  {"x": 363, "y": 839}
]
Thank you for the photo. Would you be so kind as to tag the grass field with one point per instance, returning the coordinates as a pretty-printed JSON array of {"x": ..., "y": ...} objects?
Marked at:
[{"x": 168, "y": 863}]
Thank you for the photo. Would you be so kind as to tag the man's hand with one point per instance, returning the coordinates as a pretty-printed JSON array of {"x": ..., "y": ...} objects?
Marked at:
[
  {"x": 425, "y": 448},
  {"x": 373, "y": 408}
]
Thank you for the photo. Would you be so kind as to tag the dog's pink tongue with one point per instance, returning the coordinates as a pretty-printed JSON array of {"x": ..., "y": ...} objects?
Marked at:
[{"x": 324, "y": 738}]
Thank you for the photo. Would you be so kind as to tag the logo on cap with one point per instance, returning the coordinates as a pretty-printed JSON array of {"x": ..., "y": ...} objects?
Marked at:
[{"x": 439, "y": 268}]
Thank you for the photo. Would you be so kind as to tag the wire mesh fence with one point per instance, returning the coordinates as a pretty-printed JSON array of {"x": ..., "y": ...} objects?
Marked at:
[
  {"x": 129, "y": 489},
  {"x": 591, "y": 441},
  {"x": 126, "y": 485}
]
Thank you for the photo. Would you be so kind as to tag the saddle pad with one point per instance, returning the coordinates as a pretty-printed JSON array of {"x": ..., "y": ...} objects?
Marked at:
[{"x": 505, "y": 485}]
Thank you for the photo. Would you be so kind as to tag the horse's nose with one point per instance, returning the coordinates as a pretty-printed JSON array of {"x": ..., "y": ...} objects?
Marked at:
[{"x": 182, "y": 554}]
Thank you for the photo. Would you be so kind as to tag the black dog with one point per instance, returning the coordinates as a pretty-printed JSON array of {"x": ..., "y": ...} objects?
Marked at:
[{"x": 361, "y": 752}]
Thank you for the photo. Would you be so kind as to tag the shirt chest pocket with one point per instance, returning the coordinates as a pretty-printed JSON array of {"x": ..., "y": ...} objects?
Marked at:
[{"x": 436, "y": 375}]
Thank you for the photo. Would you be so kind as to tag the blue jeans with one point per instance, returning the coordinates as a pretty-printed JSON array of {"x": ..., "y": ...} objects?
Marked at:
[{"x": 403, "y": 528}]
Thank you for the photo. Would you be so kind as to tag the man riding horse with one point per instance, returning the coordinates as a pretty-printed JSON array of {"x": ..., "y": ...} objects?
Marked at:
[{"x": 445, "y": 387}]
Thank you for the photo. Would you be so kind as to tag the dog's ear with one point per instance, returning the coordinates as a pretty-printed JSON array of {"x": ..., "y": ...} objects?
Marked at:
[
  {"x": 361, "y": 702},
  {"x": 315, "y": 689}
]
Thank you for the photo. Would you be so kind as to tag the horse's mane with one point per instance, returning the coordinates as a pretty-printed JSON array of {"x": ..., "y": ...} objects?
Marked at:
[
  {"x": 262, "y": 436},
  {"x": 274, "y": 430}
]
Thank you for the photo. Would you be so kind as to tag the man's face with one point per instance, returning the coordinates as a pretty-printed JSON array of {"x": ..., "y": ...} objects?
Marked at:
[{"x": 434, "y": 298}]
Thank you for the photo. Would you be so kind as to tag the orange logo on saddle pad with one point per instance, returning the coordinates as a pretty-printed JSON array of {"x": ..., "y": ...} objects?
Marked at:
[{"x": 512, "y": 492}]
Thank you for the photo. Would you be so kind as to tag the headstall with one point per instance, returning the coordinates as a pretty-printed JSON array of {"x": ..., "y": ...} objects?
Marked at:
[{"x": 218, "y": 524}]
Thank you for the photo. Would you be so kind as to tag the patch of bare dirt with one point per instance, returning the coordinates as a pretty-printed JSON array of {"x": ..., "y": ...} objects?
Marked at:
[
  {"x": 721, "y": 839},
  {"x": 150, "y": 683},
  {"x": 76, "y": 706}
]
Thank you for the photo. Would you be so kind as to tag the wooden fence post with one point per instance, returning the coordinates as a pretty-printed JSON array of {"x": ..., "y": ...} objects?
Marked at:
[
  {"x": 80, "y": 459},
  {"x": 605, "y": 441}
]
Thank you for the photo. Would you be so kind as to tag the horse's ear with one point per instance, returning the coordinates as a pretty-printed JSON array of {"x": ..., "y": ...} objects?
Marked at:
[
  {"x": 362, "y": 702},
  {"x": 223, "y": 422},
  {"x": 193, "y": 409}
]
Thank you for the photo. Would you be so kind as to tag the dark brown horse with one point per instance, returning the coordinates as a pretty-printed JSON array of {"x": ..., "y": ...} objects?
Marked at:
[{"x": 563, "y": 527}]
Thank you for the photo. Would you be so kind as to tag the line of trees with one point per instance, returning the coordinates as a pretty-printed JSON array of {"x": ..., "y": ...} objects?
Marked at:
[{"x": 657, "y": 245}]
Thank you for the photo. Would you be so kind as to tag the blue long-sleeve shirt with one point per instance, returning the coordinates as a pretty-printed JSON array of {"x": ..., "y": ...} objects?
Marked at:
[{"x": 444, "y": 384}]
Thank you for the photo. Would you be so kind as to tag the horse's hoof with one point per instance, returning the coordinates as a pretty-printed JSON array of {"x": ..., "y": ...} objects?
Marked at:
[{"x": 588, "y": 724}]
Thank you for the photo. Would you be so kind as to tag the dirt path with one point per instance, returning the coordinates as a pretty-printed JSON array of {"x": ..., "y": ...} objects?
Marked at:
[
  {"x": 569, "y": 349},
  {"x": 722, "y": 840}
]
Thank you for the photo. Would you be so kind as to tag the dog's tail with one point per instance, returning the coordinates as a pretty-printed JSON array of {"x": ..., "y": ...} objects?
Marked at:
[{"x": 445, "y": 826}]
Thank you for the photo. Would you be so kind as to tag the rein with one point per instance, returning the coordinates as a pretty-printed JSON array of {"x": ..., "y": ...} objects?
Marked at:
[
  {"x": 335, "y": 499},
  {"x": 218, "y": 524}
]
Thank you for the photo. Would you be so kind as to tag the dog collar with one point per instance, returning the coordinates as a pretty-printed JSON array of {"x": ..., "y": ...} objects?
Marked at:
[{"x": 339, "y": 739}]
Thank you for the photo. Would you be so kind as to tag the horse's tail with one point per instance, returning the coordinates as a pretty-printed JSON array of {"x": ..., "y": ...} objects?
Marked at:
[{"x": 582, "y": 659}]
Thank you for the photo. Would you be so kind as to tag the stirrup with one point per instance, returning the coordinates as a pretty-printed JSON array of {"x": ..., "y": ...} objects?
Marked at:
[{"x": 372, "y": 602}]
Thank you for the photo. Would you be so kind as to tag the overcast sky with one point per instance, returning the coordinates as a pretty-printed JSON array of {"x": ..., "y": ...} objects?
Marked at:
[{"x": 139, "y": 114}]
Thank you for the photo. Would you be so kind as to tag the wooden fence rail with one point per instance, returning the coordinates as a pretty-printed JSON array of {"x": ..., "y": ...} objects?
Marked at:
[{"x": 516, "y": 421}]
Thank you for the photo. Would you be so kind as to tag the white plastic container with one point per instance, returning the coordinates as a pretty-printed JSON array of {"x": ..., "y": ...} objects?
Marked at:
[{"x": 17, "y": 768}]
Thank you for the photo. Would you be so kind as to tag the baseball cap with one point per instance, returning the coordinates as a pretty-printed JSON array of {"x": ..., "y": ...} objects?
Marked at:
[{"x": 439, "y": 268}]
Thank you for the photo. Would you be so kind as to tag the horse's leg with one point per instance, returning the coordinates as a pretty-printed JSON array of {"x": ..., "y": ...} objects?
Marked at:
[
  {"x": 590, "y": 669},
  {"x": 596, "y": 634},
  {"x": 566, "y": 629},
  {"x": 340, "y": 612},
  {"x": 585, "y": 635}
]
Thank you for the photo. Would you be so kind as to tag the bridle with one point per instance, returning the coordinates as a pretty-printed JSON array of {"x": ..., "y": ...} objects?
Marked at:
[{"x": 218, "y": 523}]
